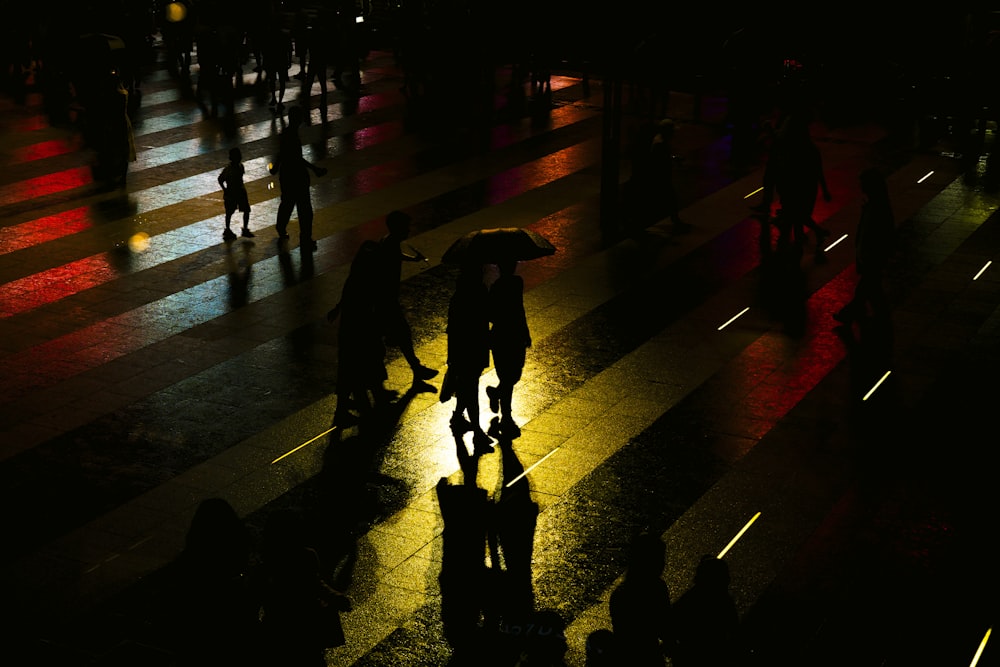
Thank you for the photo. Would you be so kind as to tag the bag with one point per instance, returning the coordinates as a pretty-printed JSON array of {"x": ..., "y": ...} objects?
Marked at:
[{"x": 447, "y": 390}]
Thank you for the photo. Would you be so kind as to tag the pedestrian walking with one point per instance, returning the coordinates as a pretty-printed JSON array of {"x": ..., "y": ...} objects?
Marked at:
[
  {"x": 651, "y": 194},
  {"x": 705, "y": 618},
  {"x": 510, "y": 339},
  {"x": 873, "y": 246},
  {"x": 388, "y": 310},
  {"x": 641, "y": 613},
  {"x": 361, "y": 371},
  {"x": 468, "y": 352},
  {"x": 234, "y": 194},
  {"x": 798, "y": 178},
  {"x": 293, "y": 175}
]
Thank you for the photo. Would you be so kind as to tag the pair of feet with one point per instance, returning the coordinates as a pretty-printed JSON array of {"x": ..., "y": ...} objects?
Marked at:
[
  {"x": 308, "y": 244},
  {"x": 229, "y": 234},
  {"x": 482, "y": 442}
]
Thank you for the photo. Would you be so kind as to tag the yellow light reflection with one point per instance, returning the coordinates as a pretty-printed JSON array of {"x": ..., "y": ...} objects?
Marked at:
[
  {"x": 738, "y": 535},
  {"x": 138, "y": 242},
  {"x": 982, "y": 647},
  {"x": 733, "y": 319},
  {"x": 985, "y": 266},
  {"x": 877, "y": 384},
  {"x": 753, "y": 193},
  {"x": 176, "y": 12},
  {"x": 835, "y": 243},
  {"x": 925, "y": 177},
  {"x": 304, "y": 444}
]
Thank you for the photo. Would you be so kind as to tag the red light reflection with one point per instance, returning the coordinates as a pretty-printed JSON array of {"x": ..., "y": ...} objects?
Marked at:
[{"x": 34, "y": 232}]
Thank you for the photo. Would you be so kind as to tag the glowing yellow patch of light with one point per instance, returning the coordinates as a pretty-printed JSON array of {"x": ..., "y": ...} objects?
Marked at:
[
  {"x": 982, "y": 647},
  {"x": 877, "y": 384},
  {"x": 138, "y": 242},
  {"x": 835, "y": 243},
  {"x": 985, "y": 266},
  {"x": 738, "y": 535},
  {"x": 753, "y": 193},
  {"x": 176, "y": 12},
  {"x": 533, "y": 466},
  {"x": 925, "y": 177},
  {"x": 304, "y": 444},
  {"x": 733, "y": 319}
]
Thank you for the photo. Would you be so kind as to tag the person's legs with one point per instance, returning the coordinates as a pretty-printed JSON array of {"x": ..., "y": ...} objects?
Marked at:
[
  {"x": 285, "y": 207},
  {"x": 304, "y": 207}
]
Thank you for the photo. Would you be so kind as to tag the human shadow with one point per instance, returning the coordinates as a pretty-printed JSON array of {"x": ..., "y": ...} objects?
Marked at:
[
  {"x": 706, "y": 621},
  {"x": 465, "y": 509},
  {"x": 783, "y": 287},
  {"x": 238, "y": 270},
  {"x": 640, "y": 606}
]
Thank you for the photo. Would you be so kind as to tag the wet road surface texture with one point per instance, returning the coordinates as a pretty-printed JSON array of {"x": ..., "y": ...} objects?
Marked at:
[{"x": 677, "y": 383}]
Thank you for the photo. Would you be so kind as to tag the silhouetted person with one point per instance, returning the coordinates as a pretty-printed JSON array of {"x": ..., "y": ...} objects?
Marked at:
[
  {"x": 509, "y": 342},
  {"x": 300, "y": 612},
  {"x": 388, "y": 309},
  {"x": 321, "y": 45},
  {"x": 276, "y": 50},
  {"x": 465, "y": 510},
  {"x": 361, "y": 371},
  {"x": 293, "y": 175},
  {"x": 234, "y": 194},
  {"x": 705, "y": 619},
  {"x": 117, "y": 144},
  {"x": 601, "y": 650},
  {"x": 651, "y": 187},
  {"x": 641, "y": 615},
  {"x": 798, "y": 179},
  {"x": 468, "y": 351},
  {"x": 215, "y": 610},
  {"x": 873, "y": 246}
]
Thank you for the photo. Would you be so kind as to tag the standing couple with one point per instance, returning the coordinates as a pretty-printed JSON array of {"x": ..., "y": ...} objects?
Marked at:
[{"x": 482, "y": 320}]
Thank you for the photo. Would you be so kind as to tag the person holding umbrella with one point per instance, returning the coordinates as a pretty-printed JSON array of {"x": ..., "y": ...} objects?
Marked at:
[
  {"x": 509, "y": 342},
  {"x": 468, "y": 352}
]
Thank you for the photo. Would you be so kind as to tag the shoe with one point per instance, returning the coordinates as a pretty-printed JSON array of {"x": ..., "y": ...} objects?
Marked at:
[
  {"x": 509, "y": 428},
  {"x": 482, "y": 443},
  {"x": 246, "y": 233},
  {"x": 272, "y": 102},
  {"x": 494, "y": 429},
  {"x": 309, "y": 245},
  {"x": 460, "y": 424},
  {"x": 493, "y": 393},
  {"x": 424, "y": 373},
  {"x": 228, "y": 235},
  {"x": 282, "y": 236},
  {"x": 422, "y": 387}
]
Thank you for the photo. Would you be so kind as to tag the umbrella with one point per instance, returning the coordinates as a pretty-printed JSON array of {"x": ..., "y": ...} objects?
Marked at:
[{"x": 491, "y": 246}]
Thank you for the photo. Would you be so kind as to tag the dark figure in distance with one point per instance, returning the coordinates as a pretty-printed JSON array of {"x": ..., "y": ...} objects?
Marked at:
[
  {"x": 873, "y": 245},
  {"x": 641, "y": 615},
  {"x": 293, "y": 175},
  {"x": 468, "y": 351},
  {"x": 651, "y": 195},
  {"x": 798, "y": 177},
  {"x": 389, "y": 311},
  {"x": 509, "y": 342},
  {"x": 706, "y": 619}
]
